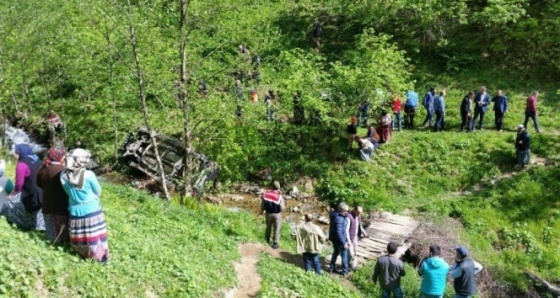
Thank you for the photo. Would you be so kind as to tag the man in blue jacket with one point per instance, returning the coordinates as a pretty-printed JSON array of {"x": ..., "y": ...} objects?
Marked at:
[
  {"x": 410, "y": 106},
  {"x": 481, "y": 102},
  {"x": 500, "y": 108},
  {"x": 339, "y": 237},
  {"x": 434, "y": 273},
  {"x": 439, "y": 108},
  {"x": 428, "y": 103}
]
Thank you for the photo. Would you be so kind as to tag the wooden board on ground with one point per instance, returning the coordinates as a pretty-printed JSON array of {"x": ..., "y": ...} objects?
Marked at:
[{"x": 382, "y": 230}]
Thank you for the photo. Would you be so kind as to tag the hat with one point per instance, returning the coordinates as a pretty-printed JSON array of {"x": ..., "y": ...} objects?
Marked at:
[
  {"x": 276, "y": 185},
  {"x": 463, "y": 252}
]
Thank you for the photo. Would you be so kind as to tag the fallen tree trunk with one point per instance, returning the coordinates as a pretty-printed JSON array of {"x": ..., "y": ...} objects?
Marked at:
[{"x": 543, "y": 284}]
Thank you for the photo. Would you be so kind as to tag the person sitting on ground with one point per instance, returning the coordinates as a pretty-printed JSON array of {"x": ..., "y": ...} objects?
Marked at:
[
  {"x": 522, "y": 146},
  {"x": 243, "y": 50},
  {"x": 339, "y": 238},
  {"x": 54, "y": 120},
  {"x": 410, "y": 109},
  {"x": 384, "y": 127},
  {"x": 500, "y": 108},
  {"x": 351, "y": 131},
  {"x": 366, "y": 148},
  {"x": 272, "y": 203},
  {"x": 6, "y": 184},
  {"x": 397, "y": 103},
  {"x": 388, "y": 271},
  {"x": 88, "y": 231},
  {"x": 355, "y": 232},
  {"x": 372, "y": 135},
  {"x": 309, "y": 242},
  {"x": 24, "y": 208},
  {"x": 434, "y": 273},
  {"x": 464, "y": 273},
  {"x": 55, "y": 199}
]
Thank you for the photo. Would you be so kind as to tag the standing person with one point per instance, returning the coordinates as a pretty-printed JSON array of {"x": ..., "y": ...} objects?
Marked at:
[
  {"x": 363, "y": 112},
  {"x": 269, "y": 101},
  {"x": 439, "y": 108},
  {"x": 388, "y": 272},
  {"x": 55, "y": 199},
  {"x": 384, "y": 127},
  {"x": 466, "y": 116},
  {"x": 272, "y": 203},
  {"x": 410, "y": 106},
  {"x": 351, "y": 131},
  {"x": 6, "y": 184},
  {"x": 25, "y": 210},
  {"x": 522, "y": 146},
  {"x": 88, "y": 231},
  {"x": 356, "y": 232},
  {"x": 500, "y": 108},
  {"x": 481, "y": 100},
  {"x": 434, "y": 272},
  {"x": 397, "y": 103},
  {"x": 309, "y": 242},
  {"x": 339, "y": 237},
  {"x": 531, "y": 110},
  {"x": 463, "y": 273},
  {"x": 428, "y": 103},
  {"x": 366, "y": 148}
]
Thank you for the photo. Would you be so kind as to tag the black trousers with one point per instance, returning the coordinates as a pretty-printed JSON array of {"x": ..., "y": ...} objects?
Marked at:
[
  {"x": 499, "y": 120},
  {"x": 409, "y": 113},
  {"x": 466, "y": 123}
]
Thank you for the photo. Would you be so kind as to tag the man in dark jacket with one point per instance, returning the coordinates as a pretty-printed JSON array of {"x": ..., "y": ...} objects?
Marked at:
[
  {"x": 500, "y": 108},
  {"x": 522, "y": 146},
  {"x": 388, "y": 271},
  {"x": 481, "y": 100},
  {"x": 428, "y": 103},
  {"x": 463, "y": 273},
  {"x": 339, "y": 237},
  {"x": 466, "y": 116}
]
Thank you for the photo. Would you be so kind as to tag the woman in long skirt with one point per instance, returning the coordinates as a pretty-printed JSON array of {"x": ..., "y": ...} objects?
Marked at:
[
  {"x": 55, "y": 199},
  {"x": 88, "y": 232},
  {"x": 24, "y": 208},
  {"x": 384, "y": 128}
]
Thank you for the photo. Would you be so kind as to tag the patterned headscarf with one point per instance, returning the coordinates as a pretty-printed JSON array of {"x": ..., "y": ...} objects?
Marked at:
[
  {"x": 55, "y": 155},
  {"x": 76, "y": 161}
]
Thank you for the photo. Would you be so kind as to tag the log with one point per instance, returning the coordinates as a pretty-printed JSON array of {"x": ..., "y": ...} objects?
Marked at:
[{"x": 541, "y": 283}]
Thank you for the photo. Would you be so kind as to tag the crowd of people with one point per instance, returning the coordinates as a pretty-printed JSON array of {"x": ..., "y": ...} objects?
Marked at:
[
  {"x": 344, "y": 232},
  {"x": 58, "y": 196},
  {"x": 473, "y": 108}
]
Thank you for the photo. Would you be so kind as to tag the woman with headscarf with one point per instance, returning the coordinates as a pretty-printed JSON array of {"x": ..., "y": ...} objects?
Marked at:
[
  {"x": 6, "y": 184},
  {"x": 88, "y": 232},
  {"x": 384, "y": 128},
  {"x": 25, "y": 210},
  {"x": 55, "y": 199}
]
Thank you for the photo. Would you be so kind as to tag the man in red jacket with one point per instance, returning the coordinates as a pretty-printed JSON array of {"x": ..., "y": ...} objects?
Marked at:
[
  {"x": 272, "y": 204},
  {"x": 531, "y": 110}
]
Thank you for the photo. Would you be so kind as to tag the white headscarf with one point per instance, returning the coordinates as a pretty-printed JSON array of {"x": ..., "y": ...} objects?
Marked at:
[
  {"x": 2, "y": 167},
  {"x": 76, "y": 161}
]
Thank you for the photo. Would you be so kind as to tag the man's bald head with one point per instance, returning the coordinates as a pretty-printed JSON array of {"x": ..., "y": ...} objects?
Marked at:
[{"x": 308, "y": 217}]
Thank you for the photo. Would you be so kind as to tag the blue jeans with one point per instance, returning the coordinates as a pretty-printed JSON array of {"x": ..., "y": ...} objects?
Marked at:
[
  {"x": 397, "y": 293},
  {"x": 312, "y": 261},
  {"x": 365, "y": 154},
  {"x": 399, "y": 121},
  {"x": 523, "y": 157},
  {"x": 533, "y": 116},
  {"x": 429, "y": 116},
  {"x": 343, "y": 252},
  {"x": 439, "y": 121}
]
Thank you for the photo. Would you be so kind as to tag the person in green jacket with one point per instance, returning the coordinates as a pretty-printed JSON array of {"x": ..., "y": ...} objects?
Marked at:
[
  {"x": 434, "y": 273},
  {"x": 309, "y": 239}
]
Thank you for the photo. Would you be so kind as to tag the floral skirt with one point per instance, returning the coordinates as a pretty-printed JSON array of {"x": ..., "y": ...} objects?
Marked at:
[
  {"x": 57, "y": 228},
  {"x": 88, "y": 236},
  {"x": 14, "y": 211}
]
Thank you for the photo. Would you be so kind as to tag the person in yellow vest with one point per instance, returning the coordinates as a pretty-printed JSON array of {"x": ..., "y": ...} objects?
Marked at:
[
  {"x": 272, "y": 204},
  {"x": 309, "y": 240}
]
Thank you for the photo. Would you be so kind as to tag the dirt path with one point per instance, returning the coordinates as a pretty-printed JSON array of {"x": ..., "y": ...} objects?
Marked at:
[{"x": 249, "y": 280}]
